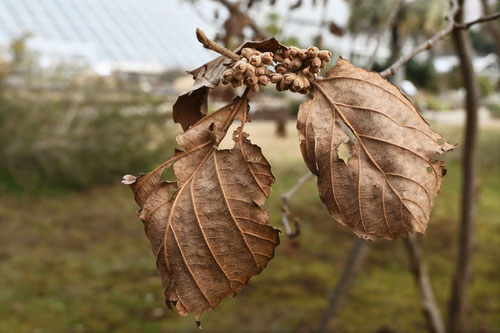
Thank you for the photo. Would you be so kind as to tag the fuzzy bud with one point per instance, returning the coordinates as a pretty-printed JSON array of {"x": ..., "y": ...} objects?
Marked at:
[
  {"x": 250, "y": 71},
  {"x": 240, "y": 66},
  {"x": 238, "y": 75},
  {"x": 278, "y": 57},
  {"x": 255, "y": 88},
  {"x": 263, "y": 80},
  {"x": 267, "y": 58},
  {"x": 323, "y": 64},
  {"x": 228, "y": 75},
  {"x": 298, "y": 83},
  {"x": 296, "y": 63},
  {"x": 289, "y": 78},
  {"x": 252, "y": 80},
  {"x": 246, "y": 52},
  {"x": 313, "y": 52},
  {"x": 282, "y": 85},
  {"x": 316, "y": 62},
  {"x": 276, "y": 77},
  {"x": 325, "y": 55},
  {"x": 255, "y": 60},
  {"x": 287, "y": 62},
  {"x": 281, "y": 69},
  {"x": 261, "y": 70},
  {"x": 302, "y": 54},
  {"x": 293, "y": 51}
]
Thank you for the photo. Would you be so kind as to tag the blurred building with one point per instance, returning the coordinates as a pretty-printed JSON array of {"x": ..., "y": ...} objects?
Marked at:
[{"x": 130, "y": 35}]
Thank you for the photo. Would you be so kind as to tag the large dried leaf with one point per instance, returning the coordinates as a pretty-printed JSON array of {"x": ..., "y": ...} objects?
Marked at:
[
  {"x": 208, "y": 230},
  {"x": 372, "y": 152},
  {"x": 191, "y": 105}
]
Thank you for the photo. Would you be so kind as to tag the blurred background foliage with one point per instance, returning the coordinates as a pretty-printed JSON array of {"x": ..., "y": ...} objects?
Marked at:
[{"x": 59, "y": 131}]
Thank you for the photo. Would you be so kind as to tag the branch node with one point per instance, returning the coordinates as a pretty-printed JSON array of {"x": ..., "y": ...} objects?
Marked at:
[{"x": 209, "y": 44}]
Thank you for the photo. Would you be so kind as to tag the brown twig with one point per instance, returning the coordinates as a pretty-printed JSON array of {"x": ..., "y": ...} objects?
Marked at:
[
  {"x": 425, "y": 45},
  {"x": 209, "y": 44},
  {"x": 450, "y": 27},
  {"x": 479, "y": 20},
  {"x": 419, "y": 270},
  {"x": 284, "y": 207},
  {"x": 458, "y": 311}
]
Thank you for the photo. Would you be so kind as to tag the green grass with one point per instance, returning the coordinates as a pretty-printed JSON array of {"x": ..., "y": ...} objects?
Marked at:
[{"x": 80, "y": 262}]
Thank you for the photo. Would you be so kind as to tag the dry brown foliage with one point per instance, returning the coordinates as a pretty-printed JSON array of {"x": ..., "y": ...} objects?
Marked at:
[{"x": 373, "y": 154}]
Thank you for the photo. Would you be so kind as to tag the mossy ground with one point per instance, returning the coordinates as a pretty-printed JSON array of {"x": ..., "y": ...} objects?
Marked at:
[{"x": 80, "y": 262}]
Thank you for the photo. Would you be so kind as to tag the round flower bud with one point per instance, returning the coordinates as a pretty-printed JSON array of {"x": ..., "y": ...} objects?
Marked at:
[
  {"x": 296, "y": 63},
  {"x": 289, "y": 78},
  {"x": 325, "y": 55},
  {"x": 238, "y": 75},
  {"x": 298, "y": 84},
  {"x": 261, "y": 70},
  {"x": 252, "y": 80},
  {"x": 287, "y": 62},
  {"x": 267, "y": 58},
  {"x": 255, "y": 88},
  {"x": 278, "y": 57},
  {"x": 255, "y": 60},
  {"x": 316, "y": 62},
  {"x": 276, "y": 77},
  {"x": 250, "y": 71},
  {"x": 281, "y": 69},
  {"x": 302, "y": 54},
  {"x": 313, "y": 52},
  {"x": 247, "y": 52},
  {"x": 228, "y": 75},
  {"x": 240, "y": 66},
  {"x": 293, "y": 51},
  {"x": 263, "y": 80}
]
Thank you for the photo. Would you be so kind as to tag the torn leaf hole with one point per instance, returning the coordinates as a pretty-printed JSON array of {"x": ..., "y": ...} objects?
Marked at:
[{"x": 344, "y": 151}]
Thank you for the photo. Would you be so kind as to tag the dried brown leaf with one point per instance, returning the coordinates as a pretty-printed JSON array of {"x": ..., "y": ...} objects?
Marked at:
[
  {"x": 207, "y": 229},
  {"x": 387, "y": 186},
  {"x": 191, "y": 105}
]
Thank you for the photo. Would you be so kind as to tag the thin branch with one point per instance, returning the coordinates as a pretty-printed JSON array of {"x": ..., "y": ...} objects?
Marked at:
[
  {"x": 479, "y": 20},
  {"x": 284, "y": 207},
  {"x": 209, "y": 44},
  {"x": 419, "y": 270},
  {"x": 387, "y": 25},
  {"x": 352, "y": 267},
  {"x": 450, "y": 27},
  {"x": 425, "y": 45}
]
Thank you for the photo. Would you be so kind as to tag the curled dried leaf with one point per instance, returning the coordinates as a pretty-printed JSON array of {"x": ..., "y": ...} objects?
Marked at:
[
  {"x": 387, "y": 186},
  {"x": 207, "y": 230}
]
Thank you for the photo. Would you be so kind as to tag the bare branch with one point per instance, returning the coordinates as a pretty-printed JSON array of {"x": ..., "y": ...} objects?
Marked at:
[
  {"x": 421, "y": 275},
  {"x": 425, "y": 45},
  {"x": 479, "y": 20},
  {"x": 353, "y": 265},
  {"x": 209, "y": 44},
  {"x": 284, "y": 208}
]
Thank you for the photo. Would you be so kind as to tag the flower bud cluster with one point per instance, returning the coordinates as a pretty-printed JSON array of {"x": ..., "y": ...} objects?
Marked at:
[
  {"x": 294, "y": 68},
  {"x": 250, "y": 70}
]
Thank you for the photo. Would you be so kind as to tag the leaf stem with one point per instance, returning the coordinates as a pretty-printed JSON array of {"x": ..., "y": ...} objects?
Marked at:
[{"x": 210, "y": 44}]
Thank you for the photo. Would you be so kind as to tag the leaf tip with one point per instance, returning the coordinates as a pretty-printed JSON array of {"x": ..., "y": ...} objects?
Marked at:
[{"x": 128, "y": 179}]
